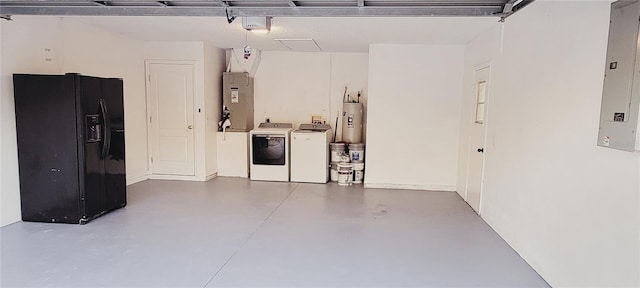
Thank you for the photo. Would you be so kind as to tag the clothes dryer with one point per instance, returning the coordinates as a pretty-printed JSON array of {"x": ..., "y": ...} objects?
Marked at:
[{"x": 269, "y": 152}]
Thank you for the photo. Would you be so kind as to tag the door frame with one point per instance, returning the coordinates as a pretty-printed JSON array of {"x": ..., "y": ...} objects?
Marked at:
[
  {"x": 150, "y": 143},
  {"x": 485, "y": 123}
]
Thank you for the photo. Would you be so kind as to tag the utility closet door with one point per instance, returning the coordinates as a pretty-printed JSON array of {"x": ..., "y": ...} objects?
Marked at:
[
  {"x": 170, "y": 96},
  {"x": 475, "y": 170}
]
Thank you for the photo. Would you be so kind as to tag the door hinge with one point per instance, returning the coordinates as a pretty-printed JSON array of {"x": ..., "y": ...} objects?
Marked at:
[
  {"x": 150, "y": 119},
  {"x": 151, "y": 159},
  {"x": 149, "y": 77}
]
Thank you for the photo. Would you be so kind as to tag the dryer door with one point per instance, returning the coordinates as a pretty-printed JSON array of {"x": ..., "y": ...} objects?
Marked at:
[{"x": 269, "y": 149}]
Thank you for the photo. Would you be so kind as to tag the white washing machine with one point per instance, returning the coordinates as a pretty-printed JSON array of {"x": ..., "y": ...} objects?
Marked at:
[
  {"x": 310, "y": 153},
  {"x": 269, "y": 152}
]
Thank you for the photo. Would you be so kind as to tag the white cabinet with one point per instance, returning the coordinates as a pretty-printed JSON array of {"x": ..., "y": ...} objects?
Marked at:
[
  {"x": 233, "y": 154},
  {"x": 310, "y": 156}
]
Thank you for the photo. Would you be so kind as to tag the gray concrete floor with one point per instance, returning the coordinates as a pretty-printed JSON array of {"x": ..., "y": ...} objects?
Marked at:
[{"x": 235, "y": 232}]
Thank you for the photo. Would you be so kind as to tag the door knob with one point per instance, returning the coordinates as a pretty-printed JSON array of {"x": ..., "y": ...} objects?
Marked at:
[
  {"x": 190, "y": 127},
  {"x": 481, "y": 150}
]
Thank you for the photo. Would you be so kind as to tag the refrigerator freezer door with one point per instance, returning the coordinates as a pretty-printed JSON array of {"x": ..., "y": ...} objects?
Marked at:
[
  {"x": 114, "y": 163},
  {"x": 67, "y": 173},
  {"x": 105, "y": 178},
  {"x": 46, "y": 125},
  {"x": 94, "y": 182}
]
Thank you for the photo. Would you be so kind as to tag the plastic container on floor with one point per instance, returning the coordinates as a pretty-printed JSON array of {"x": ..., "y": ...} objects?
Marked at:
[
  {"x": 337, "y": 150},
  {"x": 358, "y": 172},
  {"x": 345, "y": 174},
  {"x": 334, "y": 172},
  {"x": 356, "y": 152}
]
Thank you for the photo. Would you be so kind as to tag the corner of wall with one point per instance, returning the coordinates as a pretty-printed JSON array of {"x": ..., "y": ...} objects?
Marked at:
[
  {"x": 215, "y": 65},
  {"x": 427, "y": 78},
  {"x": 544, "y": 177},
  {"x": 479, "y": 51},
  {"x": 28, "y": 45}
]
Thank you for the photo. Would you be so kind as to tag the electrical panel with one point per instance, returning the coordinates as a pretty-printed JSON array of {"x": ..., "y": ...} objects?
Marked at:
[{"x": 619, "y": 120}]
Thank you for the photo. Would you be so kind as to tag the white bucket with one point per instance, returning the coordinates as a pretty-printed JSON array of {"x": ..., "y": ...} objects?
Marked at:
[
  {"x": 334, "y": 172},
  {"x": 345, "y": 174},
  {"x": 337, "y": 150},
  {"x": 356, "y": 152},
  {"x": 358, "y": 172}
]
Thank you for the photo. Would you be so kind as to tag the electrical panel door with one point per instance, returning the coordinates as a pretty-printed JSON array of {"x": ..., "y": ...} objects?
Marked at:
[{"x": 621, "y": 93}]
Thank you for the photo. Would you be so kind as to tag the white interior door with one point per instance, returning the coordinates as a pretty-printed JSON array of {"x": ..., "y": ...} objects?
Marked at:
[
  {"x": 170, "y": 95},
  {"x": 475, "y": 170}
]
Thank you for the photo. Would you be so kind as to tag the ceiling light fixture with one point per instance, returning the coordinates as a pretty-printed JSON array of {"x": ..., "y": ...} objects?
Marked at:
[{"x": 257, "y": 24}]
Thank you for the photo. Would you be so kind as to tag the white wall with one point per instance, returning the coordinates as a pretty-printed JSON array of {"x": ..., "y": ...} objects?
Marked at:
[
  {"x": 351, "y": 70},
  {"x": 413, "y": 116},
  {"x": 51, "y": 45},
  {"x": 2, "y": 98},
  {"x": 570, "y": 208},
  {"x": 214, "y": 65},
  {"x": 95, "y": 52},
  {"x": 478, "y": 53},
  {"x": 24, "y": 41},
  {"x": 209, "y": 65},
  {"x": 189, "y": 51},
  {"x": 292, "y": 86}
]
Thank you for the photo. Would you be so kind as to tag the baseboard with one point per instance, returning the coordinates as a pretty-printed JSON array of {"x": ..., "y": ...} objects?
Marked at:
[
  {"x": 136, "y": 178},
  {"x": 11, "y": 220},
  {"x": 235, "y": 175},
  {"x": 211, "y": 176},
  {"x": 175, "y": 177},
  {"x": 445, "y": 188}
]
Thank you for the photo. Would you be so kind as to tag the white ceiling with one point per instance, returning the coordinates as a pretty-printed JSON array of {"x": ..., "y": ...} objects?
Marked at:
[{"x": 333, "y": 34}]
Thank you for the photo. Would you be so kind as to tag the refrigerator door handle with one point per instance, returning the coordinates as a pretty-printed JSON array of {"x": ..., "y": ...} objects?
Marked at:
[{"x": 106, "y": 144}]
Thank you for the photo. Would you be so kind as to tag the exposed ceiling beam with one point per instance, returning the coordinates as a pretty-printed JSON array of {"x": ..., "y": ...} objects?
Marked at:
[
  {"x": 277, "y": 8},
  {"x": 254, "y": 11},
  {"x": 517, "y": 5},
  {"x": 508, "y": 7},
  {"x": 512, "y": 7}
]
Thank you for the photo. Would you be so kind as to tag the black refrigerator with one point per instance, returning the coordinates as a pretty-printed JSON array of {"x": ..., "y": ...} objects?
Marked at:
[{"x": 70, "y": 131}]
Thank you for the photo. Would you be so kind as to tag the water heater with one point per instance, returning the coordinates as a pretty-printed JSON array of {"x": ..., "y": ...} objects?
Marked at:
[{"x": 352, "y": 122}]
